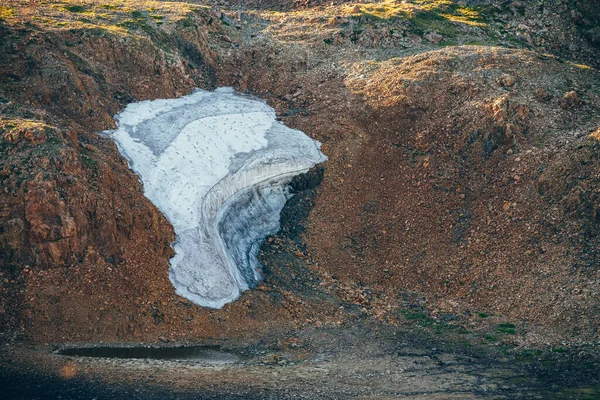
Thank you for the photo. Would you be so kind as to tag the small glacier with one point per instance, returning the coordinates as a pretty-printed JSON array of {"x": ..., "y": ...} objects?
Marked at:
[{"x": 217, "y": 164}]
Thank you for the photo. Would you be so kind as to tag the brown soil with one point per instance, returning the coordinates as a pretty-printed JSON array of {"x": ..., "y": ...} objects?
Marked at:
[{"x": 461, "y": 179}]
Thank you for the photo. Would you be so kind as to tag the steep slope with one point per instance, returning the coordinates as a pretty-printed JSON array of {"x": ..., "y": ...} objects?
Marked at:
[
  {"x": 461, "y": 175},
  {"x": 467, "y": 182}
]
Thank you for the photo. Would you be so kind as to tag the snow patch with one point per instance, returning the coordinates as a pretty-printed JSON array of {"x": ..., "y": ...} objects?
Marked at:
[{"x": 217, "y": 164}]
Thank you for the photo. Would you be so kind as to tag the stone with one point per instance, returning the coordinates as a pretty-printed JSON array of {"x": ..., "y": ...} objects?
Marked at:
[
  {"x": 595, "y": 134},
  {"x": 447, "y": 317},
  {"x": 507, "y": 81},
  {"x": 433, "y": 37},
  {"x": 570, "y": 101},
  {"x": 542, "y": 95}
]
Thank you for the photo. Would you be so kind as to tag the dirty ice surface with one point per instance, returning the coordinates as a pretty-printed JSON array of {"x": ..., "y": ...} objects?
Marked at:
[{"x": 217, "y": 164}]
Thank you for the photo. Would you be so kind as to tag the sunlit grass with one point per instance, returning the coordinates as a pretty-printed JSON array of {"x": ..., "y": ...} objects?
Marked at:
[
  {"x": 120, "y": 17},
  {"x": 440, "y": 10},
  {"x": 7, "y": 13},
  {"x": 444, "y": 16},
  {"x": 387, "y": 9}
]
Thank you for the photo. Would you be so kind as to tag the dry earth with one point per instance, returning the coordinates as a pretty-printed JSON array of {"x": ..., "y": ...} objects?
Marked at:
[{"x": 461, "y": 189}]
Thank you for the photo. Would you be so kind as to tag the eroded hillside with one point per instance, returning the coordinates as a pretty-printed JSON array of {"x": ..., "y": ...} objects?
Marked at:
[{"x": 461, "y": 181}]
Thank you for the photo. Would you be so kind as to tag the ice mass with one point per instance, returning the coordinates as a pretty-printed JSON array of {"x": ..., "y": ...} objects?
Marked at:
[{"x": 217, "y": 164}]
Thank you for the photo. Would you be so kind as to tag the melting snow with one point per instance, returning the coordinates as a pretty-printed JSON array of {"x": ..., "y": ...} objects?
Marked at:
[{"x": 217, "y": 165}]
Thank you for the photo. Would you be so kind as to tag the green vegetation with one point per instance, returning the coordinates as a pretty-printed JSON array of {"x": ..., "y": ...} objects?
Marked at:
[
  {"x": 491, "y": 338},
  {"x": 137, "y": 20},
  {"x": 529, "y": 354},
  {"x": 382, "y": 11},
  {"x": 559, "y": 350},
  {"x": 483, "y": 315},
  {"x": 506, "y": 328},
  {"x": 7, "y": 12},
  {"x": 109, "y": 6},
  {"x": 414, "y": 315},
  {"x": 88, "y": 162},
  {"x": 75, "y": 8},
  {"x": 125, "y": 18},
  {"x": 446, "y": 17},
  {"x": 440, "y": 15}
]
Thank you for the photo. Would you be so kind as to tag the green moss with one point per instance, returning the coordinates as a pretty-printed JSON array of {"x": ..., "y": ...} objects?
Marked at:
[
  {"x": 559, "y": 350},
  {"x": 75, "y": 8},
  {"x": 425, "y": 21},
  {"x": 528, "y": 354},
  {"x": 89, "y": 163},
  {"x": 507, "y": 325},
  {"x": 134, "y": 24},
  {"x": 355, "y": 34},
  {"x": 506, "y": 328},
  {"x": 378, "y": 12},
  {"x": 188, "y": 21},
  {"x": 414, "y": 315}
]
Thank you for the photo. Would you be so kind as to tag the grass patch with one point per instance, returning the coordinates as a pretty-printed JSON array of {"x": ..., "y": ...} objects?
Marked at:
[
  {"x": 7, "y": 13},
  {"x": 387, "y": 10},
  {"x": 425, "y": 12},
  {"x": 483, "y": 315},
  {"x": 491, "y": 338},
  {"x": 425, "y": 21},
  {"x": 506, "y": 328},
  {"x": 529, "y": 354},
  {"x": 558, "y": 350},
  {"x": 111, "y": 7},
  {"x": 124, "y": 18},
  {"x": 75, "y": 8},
  {"x": 89, "y": 163},
  {"x": 414, "y": 315},
  {"x": 444, "y": 16}
]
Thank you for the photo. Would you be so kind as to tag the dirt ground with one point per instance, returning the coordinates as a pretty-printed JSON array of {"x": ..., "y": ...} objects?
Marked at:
[
  {"x": 365, "y": 361},
  {"x": 459, "y": 208}
]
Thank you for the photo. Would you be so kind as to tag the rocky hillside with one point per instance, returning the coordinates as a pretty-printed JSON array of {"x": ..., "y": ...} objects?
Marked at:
[{"x": 462, "y": 139}]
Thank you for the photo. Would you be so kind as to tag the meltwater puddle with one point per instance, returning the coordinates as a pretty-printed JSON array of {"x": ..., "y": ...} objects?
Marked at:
[
  {"x": 205, "y": 354},
  {"x": 217, "y": 164}
]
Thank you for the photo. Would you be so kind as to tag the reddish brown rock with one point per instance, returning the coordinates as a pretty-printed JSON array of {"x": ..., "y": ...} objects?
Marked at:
[{"x": 570, "y": 100}]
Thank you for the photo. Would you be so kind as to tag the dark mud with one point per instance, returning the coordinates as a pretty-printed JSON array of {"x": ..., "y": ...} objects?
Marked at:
[{"x": 207, "y": 354}]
